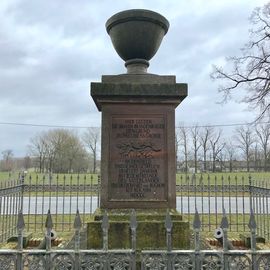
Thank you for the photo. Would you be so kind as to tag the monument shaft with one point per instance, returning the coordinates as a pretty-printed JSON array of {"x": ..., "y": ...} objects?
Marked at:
[{"x": 138, "y": 141}]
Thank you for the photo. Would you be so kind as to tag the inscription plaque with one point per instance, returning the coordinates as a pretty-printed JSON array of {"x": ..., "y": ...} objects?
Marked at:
[{"x": 137, "y": 163}]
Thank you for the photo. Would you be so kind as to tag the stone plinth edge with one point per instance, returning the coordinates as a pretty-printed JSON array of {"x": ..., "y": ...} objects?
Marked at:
[{"x": 104, "y": 93}]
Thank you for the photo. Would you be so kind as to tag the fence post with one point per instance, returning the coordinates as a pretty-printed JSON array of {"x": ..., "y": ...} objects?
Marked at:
[
  {"x": 98, "y": 194},
  {"x": 91, "y": 197},
  {"x": 224, "y": 226},
  {"x": 20, "y": 228},
  {"x": 77, "y": 227},
  {"x": 22, "y": 178},
  {"x": 252, "y": 226},
  {"x": 133, "y": 227},
  {"x": 250, "y": 192},
  {"x": 105, "y": 228},
  {"x": 48, "y": 226},
  {"x": 168, "y": 227},
  {"x": 197, "y": 228}
]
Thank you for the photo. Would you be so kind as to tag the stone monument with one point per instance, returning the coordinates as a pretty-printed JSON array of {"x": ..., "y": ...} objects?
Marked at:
[
  {"x": 138, "y": 125},
  {"x": 138, "y": 118}
]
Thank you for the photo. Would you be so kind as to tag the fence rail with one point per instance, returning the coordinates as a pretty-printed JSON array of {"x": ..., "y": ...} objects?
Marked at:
[
  {"x": 64, "y": 196},
  {"x": 61, "y": 188}
]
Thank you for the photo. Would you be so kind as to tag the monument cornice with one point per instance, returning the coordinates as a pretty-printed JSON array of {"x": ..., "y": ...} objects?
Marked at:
[{"x": 172, "y": 93}]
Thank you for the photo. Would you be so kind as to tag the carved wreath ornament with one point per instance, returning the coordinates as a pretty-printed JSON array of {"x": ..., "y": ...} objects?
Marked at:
[{"x": 138, "y": 150}]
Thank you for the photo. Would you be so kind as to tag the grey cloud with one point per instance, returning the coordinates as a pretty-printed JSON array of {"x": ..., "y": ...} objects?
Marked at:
[
  {"x": 10, "y": 54},
  {"x": 51, "y": 50}
]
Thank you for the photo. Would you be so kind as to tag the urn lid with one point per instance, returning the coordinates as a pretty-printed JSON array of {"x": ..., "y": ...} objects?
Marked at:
[{"x": 137, "y": 15}]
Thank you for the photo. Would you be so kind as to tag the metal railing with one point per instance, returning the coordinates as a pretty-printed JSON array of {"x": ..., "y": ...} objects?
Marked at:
[
  {"x": 63, "y": 196},
  {"x": 237, "y": 195},
  {"x": 131, "y": 258},
  {"x": 34, "y": 195},
  {"x": 11, "y": 202}
]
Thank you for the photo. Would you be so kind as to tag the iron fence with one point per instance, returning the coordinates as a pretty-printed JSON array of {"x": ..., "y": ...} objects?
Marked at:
[
  {"x": 167, "y": 259},
  {"x": 64, "y": 195},
  {"x": 237, "y": 195},
  {"x": 11, "y": 202},
  {"x": 34, "y": 195}
]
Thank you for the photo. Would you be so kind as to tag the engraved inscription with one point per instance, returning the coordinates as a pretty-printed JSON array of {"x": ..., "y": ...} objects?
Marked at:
[{"x": 137, "y": 152}]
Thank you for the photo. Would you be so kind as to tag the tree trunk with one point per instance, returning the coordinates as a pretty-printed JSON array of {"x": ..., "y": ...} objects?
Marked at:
[
  {"x": 94, "y": 163},
  {"x": 230, "y": 166}
]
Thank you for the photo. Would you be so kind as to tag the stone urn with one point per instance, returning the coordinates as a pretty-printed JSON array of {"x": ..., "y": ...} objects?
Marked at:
[{"x": 136, "y": 35}]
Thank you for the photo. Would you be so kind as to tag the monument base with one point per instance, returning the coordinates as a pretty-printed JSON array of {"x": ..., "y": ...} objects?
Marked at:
[{"x": 151, "y": 232}]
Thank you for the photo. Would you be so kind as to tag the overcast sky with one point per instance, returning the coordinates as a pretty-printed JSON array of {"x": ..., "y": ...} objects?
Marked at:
[{"x": 51, "y": 50}]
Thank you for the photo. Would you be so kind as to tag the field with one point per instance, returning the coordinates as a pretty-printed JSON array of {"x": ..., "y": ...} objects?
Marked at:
[
  {"x": 238, "y": 178},
  {"x": 64, "y": 226},
  {"x": 216, "y": 178},
  {"x": 33, "y": 178}
]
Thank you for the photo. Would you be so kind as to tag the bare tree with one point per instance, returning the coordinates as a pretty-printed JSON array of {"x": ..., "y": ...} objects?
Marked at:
[
  {"x": 74, "y": 151},
  {"x": 56, "y": 149},
  {"x": 91, "y": 137},
  {"x": 245, "y": 139},
  {"x": 27, "y": 162},
  {"x": 205, "y": 137},
  {"x": 7, "y": 160},
  {"x": 256, "y": 155},
  {"x": 177, "y": 146},
  {"x": 263, "y": 135},
  {"x": 65, "y": 148},
  {"x": 195, "y": 144},
  {"x": 183, "y": 142},
  {"x": 230, "y": 149},
  {"x": 59, "y": 150},
  {"x": 251, "y": 70},
  {"x": 37, "y": 148},
  {"x": 216, "y": 147}
]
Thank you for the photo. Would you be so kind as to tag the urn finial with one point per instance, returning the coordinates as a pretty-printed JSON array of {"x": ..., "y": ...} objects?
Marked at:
[{"x": 136, "y": 35}]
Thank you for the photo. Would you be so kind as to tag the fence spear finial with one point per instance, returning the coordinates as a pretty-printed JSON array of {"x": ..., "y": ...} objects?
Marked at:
[
  {"x": 48, "y": 222},
  {"x": 133, "y": 220},
  {"x": 196, "y": 222},
  {"x": 77, "y": 221},
  {"x": 168, "y": 221},
  {"x": 224, "y": 222},
  {"x": 20, "y": 221},
  {"x": 252, "y": 222}
]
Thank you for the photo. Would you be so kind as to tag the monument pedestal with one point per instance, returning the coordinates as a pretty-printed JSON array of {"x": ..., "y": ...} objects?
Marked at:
[
  {"x": 138, "y": 167},
  {"x": 151, "y": 233}
]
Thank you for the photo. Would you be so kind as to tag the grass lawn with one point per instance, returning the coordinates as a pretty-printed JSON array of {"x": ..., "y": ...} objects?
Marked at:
[
  {"x": 63, "y": 225},
  {"x": 238, "y": 178},
  {"x": 60, "y": 179},
  {"x": 66, "y": 180},
  {"x": 233, "y": 178}
]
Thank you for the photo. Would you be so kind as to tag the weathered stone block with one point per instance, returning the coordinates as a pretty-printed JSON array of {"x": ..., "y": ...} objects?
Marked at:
[
  {"x": 247, "y": 240},
  {"x": 26, "y": 237},
  {"x": 151, "y": 232}
]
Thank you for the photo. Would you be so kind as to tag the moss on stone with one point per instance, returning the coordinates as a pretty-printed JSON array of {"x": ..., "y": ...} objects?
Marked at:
[
  {"x": 151, "y": 232},
  {"x": 141, "y": 214}
]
